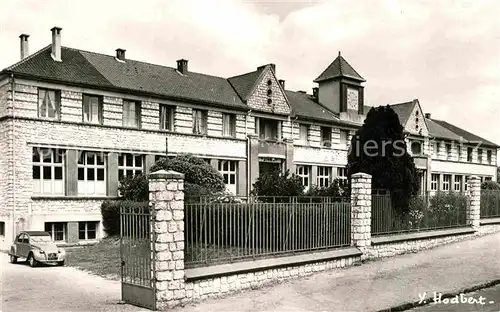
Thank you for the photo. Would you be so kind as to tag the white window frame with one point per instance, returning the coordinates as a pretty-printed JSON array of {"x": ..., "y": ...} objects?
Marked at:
[
  {"x": 126, "y": 167},
  {"x": 434, "y": 181},
  {"x": 49, "y": 98},
  {"x": 200, "y": 121},
  {"x": 304, "y": 173},
  {"x": 86, "y": 230},
  {"x": 167, "y": 117},
  {"x": 93, "y": 187},
  {"x": 52, "y": 230},
  {"x": 342, "y": 175},
  {"x": 229, "y": 171},
  {"x": 457, "y": 183},
  {"x": 445, "y": 185},
  {"x": 92, "y": 110},
  {"x": 324, "y": 176},
  {"x": 303, "y": 134},
  {"x": 51, "y": 186},
  {"x": 229, "y": 125},
  {"x": 131, "y": 114}
]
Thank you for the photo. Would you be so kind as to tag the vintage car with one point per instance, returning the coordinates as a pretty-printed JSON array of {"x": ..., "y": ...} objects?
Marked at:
[{"x": 36, "y": 247}]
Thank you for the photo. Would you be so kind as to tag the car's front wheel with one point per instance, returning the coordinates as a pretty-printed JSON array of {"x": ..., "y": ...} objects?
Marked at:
[
  {"x": 13, "y": 259},
  {"x": 32, "y": 261}
]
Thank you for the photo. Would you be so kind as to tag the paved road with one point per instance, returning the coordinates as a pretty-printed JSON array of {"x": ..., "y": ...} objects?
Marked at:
[
  {"x": 487, "y": 300},
  {"x": 56, "y": 289}
]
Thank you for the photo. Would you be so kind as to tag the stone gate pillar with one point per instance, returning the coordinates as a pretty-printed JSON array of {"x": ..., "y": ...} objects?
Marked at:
[
  {"x": 166, "y": 197},
  {"x": 361, "y": 207},
  {"x": 474, "y": 206}
]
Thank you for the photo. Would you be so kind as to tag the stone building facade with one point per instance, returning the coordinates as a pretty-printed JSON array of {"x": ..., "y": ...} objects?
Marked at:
[{"x": 72, "y": 122}]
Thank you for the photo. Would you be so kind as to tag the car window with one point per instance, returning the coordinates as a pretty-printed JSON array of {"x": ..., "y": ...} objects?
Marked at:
[
  {"x": 20, "y": 238},
  {"x": 26, "y": 239}
]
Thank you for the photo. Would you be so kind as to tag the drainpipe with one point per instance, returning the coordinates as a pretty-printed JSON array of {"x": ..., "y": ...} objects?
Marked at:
[
  {"x": 13, "y": 157},
  {"x": 248, "y": 154}
]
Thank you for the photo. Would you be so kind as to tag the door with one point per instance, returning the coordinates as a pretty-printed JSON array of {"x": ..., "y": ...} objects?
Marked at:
[{"x": 22, "y": 246}]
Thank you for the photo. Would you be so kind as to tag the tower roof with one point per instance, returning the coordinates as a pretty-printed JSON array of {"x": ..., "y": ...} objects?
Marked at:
[{"x": 339, "y": 68}]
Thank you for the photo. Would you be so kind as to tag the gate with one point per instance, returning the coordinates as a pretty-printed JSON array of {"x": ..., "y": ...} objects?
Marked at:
[{"x": 137, "y": 237}]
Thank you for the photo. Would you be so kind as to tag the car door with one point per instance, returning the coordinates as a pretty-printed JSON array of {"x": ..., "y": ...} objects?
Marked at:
[{"x": 22, "y": 245}]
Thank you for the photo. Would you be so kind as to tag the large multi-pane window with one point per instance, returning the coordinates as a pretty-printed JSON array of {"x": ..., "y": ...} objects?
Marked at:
[
  {"x": 92, "y": 109},
  {"x": 131, "y": 114},
  {"x": 342, "y": 175},
  {"x": 57, "y": 230},
  {"x": 458, "y": 183},
  {"x": 48, "y": 171},
  {"x": 228, "y": 170},
  {"x": 92, "y": 173},
  {"x": 199, "y": 121},
  {"x": 304, "y": 173},
  {"x": 49, "y": 103},
  {"x": 229, "y": 125},
  {"x": 303, "y": 134},
  {"x": 324, "y": 176},
  {"x": 87, "y": 230},
  {"x": 446, "y": 182},
  {"x": 130, "y": 165},
  {"x": 166, "y": 117},
  {"x": 434, "y": 182},
  {"x": 326, "y": 136}
]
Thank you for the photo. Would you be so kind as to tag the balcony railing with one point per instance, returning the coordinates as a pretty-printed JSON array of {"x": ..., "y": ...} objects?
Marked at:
[{"x": 272, "y": 147}]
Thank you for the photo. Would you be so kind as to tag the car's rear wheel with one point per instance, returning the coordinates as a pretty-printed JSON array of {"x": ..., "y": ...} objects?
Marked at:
[
  {"x": 13, "y": 259},
  {"x": 60, "y": 263},
  {"x": 32, "y": 261}
]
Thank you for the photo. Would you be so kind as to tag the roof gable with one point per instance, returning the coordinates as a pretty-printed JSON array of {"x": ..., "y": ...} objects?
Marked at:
[
  {"x": 339, "y": 68},
  {"x": 245, "y": 84},
  {"x": 267, "y": 94}
]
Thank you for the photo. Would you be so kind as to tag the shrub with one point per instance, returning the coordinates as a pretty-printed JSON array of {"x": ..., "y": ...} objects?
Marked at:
[
  {"x": 490, "y": 185},
  {"x": 276, "y": 183},
  {"x": 334, "y": 190},
  {"x": 447, "y": 209},
  {"x": 134, "y": 188},
  {"x": 110, "y": 211}
]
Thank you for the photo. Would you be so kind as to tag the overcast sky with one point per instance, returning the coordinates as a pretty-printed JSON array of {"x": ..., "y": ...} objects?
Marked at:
[{"x": 445, "y": 53}]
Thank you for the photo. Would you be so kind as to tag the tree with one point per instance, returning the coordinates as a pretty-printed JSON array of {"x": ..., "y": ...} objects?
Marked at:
[{"x": 379, "y": 149}]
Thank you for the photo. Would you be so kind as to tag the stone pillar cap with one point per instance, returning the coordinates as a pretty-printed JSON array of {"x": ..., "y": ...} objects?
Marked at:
[
  {"x": 361, "y": 175},
  {"x": 164, "y": 174}
]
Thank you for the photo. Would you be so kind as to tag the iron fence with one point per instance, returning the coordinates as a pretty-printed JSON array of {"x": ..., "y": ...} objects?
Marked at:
[
  {"x": 490, "y": 204},
  {"x": 259, "y": 227},
  {"x": 426, "y": 212}
]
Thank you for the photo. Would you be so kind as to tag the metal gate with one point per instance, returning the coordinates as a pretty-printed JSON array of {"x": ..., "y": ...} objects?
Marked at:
[{"x": 137, "y": 259}]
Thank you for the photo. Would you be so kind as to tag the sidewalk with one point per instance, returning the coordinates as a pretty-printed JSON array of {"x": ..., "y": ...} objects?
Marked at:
[{"x": 375, "y": 285}]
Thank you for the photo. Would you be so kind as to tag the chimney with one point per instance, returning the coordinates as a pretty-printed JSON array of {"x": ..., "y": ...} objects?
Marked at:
[
  {"x": 182, "y": 66},
  {"x": 315, "y": 92},
  {"x": 120, "y": 54},
  {"x": 282, "y": 83},
  {"x": 56, "y": 43},
  {"x": 25, "y": 52},
  {"x": 428, "y": 115}
]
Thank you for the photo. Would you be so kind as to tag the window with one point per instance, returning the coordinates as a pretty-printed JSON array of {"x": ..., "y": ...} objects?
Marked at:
[
  {"x": 49, "y": 103},
  {"x": 166, "y": 117},
  {"x": 434, "y": 182},
  {"x": 87, "y": 230},
  {"x": 466, "y": 184},
  {"x": 304, "y": 173},
  {"x": 131, "y": 114},
  {"x": 479, "y": 155},
  {"x": 469, "y": 154},
  {"x": 303, "y": 134},
  {"x": 488, "y": 156},
  {"x": 459, "y": 151},
  {"x": 199, "y": 121},
  {"x": 342, "y": 175},
  {"x": 458, "y": 183},
  {"x": 228, "y": 170},
  {"x": 436, "y": 149},
  {"x": 324, "y": 176},
  {"x": 92, "y": 109},
  {"x": 448, "y": 151},
  {"x": 229, "y": 125},
  {"x": 130, "y": 165},
  {"x": 416, "y": 147},
  {"x": 488, "y": 178},
  {"x": 326, "y": 136},
  {"x": 91, "y": 174},
  {"x": 446, "y": 182},
  {"x": 344, "y": 134},
  {"x": 2, "y": 228},
  {"x": 48, "y": 171},
  {"x": 57, "y": 230},
  {"x": 268, "y": 129}
]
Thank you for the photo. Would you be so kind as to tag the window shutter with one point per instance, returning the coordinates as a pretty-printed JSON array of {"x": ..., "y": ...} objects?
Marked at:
[
  {"x": 71, "y": 173},
  {"x": 361, "y": 101},
  {"x": 100, "y": 109},
  {"x": 112, "y": 174},
  {"x": 138, "y": 110}
]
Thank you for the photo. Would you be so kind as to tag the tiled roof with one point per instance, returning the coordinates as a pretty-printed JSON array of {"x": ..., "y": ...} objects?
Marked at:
[
  {"x": 339, "y": 68},
  {"x": 403, "y": 110},
  {"x": 465, "y": 134},
  {"x": 303, "y": 105},
  {"x": 244, "y": 84},
  {"x": 436, "y": 130},
  {"x": 81, "y": 67}
]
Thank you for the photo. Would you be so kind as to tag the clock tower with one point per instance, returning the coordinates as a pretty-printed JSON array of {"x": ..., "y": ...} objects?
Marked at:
[{"x": 340, "y": 88}]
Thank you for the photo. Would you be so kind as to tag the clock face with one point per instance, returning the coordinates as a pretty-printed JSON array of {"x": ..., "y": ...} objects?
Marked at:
[{"x": 352, "y": 98}]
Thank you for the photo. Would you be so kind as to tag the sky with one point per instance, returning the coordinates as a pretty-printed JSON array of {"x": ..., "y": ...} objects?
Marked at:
[{"x": 444, "y": 53}]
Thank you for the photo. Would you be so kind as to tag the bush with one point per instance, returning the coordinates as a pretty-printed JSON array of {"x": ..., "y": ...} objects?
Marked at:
[
  {"x": 490, "y": 185},
  {"x": 448, "y": 209},
  {"x": 110, "y": 211},
  {"x": 279, "y": 184},
  {"x": 134, "y": 188},
  {"x": 334, "y": 190}
]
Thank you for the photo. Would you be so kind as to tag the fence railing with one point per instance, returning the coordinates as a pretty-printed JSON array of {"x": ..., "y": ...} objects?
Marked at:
[
  {"x": 490, "y": 204},
  {"x": 426, "y": 212},
  {"x": 263, "y": 227}
]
